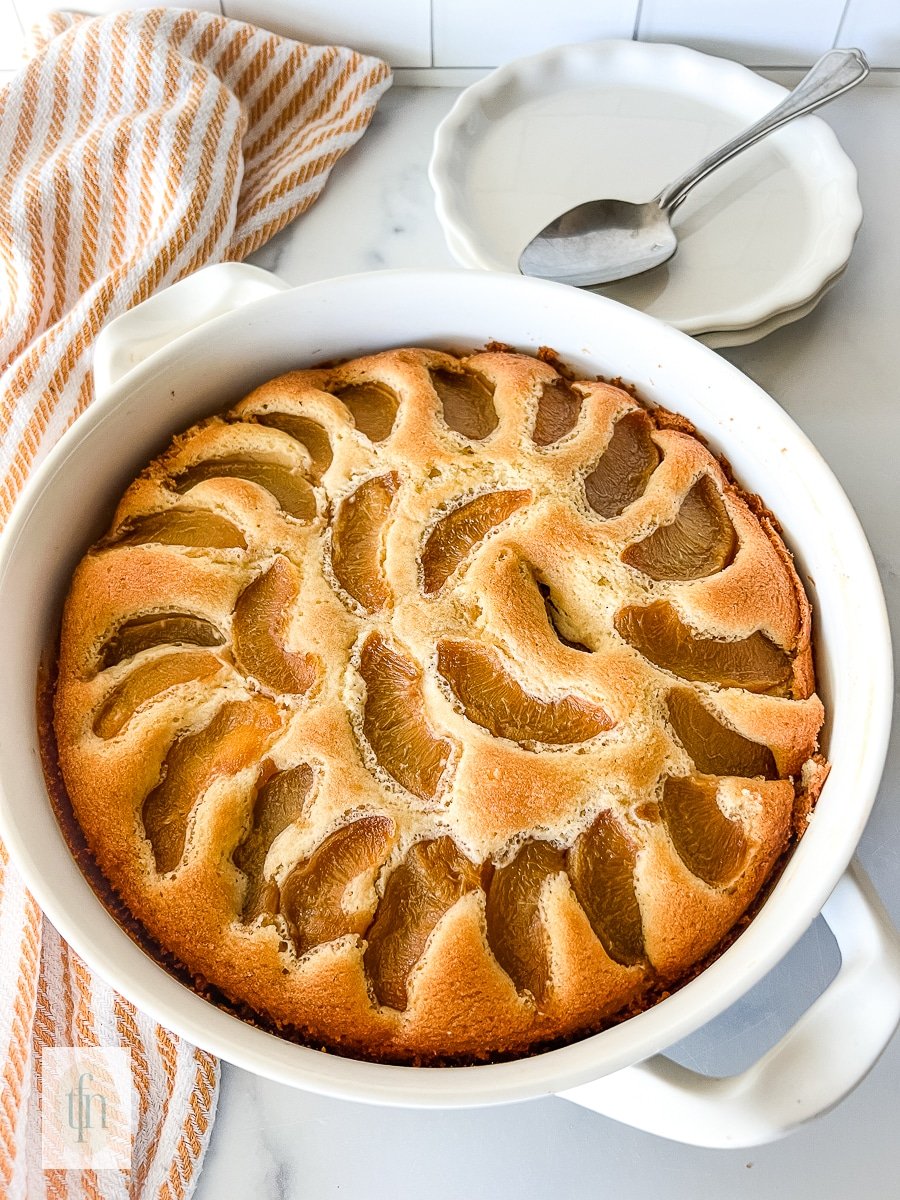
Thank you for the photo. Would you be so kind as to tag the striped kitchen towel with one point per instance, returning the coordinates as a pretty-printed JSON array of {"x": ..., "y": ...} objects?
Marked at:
[{"x": 134, "y": 149}]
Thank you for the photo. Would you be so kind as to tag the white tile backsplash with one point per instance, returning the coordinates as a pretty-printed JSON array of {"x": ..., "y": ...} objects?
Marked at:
[
  {"x": 874, "y": 26},
  {"x": 396, "y": 30},
  {"x": 472, "y": 34},
  {"x": 756, "y": 32},
  {"x": 483, "y": 33}
]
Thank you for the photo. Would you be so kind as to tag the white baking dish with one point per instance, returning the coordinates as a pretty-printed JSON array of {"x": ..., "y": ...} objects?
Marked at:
[{"x": 203, "y": 343}]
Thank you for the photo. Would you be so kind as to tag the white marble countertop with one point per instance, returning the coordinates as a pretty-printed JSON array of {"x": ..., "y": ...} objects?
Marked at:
[{"x": 836, "y": 373}]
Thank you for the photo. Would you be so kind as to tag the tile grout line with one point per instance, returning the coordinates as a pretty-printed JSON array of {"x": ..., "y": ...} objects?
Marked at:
[
  {"x": 638, "y": 13},
  {"x": 840, "y": 25}
]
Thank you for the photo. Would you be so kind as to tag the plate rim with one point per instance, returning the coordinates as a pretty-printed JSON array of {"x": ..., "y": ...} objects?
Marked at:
[{"x": 732, "y": 339}]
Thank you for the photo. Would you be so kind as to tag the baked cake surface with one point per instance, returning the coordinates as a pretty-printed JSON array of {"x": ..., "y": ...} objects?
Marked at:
[{"x": 437, "y": 708}]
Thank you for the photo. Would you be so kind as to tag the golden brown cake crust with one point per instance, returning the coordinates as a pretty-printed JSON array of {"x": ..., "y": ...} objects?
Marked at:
[{"x": 436, "y": 708}]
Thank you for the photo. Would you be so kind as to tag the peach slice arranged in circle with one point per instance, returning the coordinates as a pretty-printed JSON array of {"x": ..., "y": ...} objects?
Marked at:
[
  {"x": 456, "y": 534},
  {"x": 196, "y": 527},
  {"x": 622, "y": 474},
  {"x": 515, "y": 930},
  {"x": 394, "y": 720},
  {"x": 754, "y": 663},
  {"x": 425, "y": 886},
  {"x": 601, "y": 867},
  {"x": 147, "y": 682},
  {"x": 258, "y": 630},
  {"x": 156, "y": 629},
  {"x": 493, "y": 699},
  {"x": 711, "y": 846},
  {"x": 304, "y": 430},
  {"x": 357, "y": 545},
  {"x": 558, "y": 410},
  {"x": 699, "y": 542},
  {"x": 716, "y": 749},
  {"x": 278, "y": 803},
  {"x": 313, "y": 893},
  {"x": 286, "y": 484},
  {"x": 467, "y": 402},
  {"x": 373, "y": 407},
  {"x": 234, "y": 739}
]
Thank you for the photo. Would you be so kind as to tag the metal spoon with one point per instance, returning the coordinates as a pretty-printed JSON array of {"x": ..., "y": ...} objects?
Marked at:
[{"x": 605, "y": 240}]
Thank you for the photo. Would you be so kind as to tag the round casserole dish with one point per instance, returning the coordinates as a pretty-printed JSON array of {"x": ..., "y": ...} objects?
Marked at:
[{"x": 155, "y": 374}]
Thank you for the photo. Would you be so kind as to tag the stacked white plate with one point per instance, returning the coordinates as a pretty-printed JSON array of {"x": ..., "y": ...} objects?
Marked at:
[{"x": 760, "y": 241}]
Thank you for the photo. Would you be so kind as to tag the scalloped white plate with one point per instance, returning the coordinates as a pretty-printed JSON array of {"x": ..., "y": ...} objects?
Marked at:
[
  {"x": 761, "y": 237},
  {"x": 720, "y": 339}
]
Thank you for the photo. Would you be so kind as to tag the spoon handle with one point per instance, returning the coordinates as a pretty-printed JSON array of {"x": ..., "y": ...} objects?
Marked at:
[{"x": 835, "y": 73}]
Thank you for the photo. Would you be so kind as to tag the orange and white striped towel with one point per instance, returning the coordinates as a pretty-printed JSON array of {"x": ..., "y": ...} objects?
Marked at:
[{"x": 134, "y": 149}]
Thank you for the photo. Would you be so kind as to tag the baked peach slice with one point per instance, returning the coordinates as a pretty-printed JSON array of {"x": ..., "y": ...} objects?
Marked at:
[
  {"x": 357, "y": 545},
  {"x": 432, "y": 877},
  {"x": 711, "y": 846},
  {"x": 258, "y": 632},
  {"x": 147, "y": 682},
  {"x": 623, "y": 472},
  {"x": 195, "y": 527},
  {"x": 714, "y": 748},
  {"x": 288, "y": 486},
  {"x": 467, "y": 402},
  {"x": 515, "y": 930},
  {"x": 278, "y": 803},
  {"x": 156, "y": 629},
  {"x": 394, "y": 720},
  {"x": 755, "y": 663},
  {"x": 373, "y": 407},
  {"x": 312, "y": 895},
  {"x": 601, "y": 868},
  {"x": 234, "y": 739},
  {"x": 492, "y": 698},
  {"x": 304, "y": 430},
  {"x": 700, "y": 541},
  {"x": 454, "y": 536},
  {"x": 558, "y": 410}
]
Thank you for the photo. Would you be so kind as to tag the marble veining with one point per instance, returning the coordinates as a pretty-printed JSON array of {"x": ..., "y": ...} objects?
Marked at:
[{"x": 836, "y": 373}]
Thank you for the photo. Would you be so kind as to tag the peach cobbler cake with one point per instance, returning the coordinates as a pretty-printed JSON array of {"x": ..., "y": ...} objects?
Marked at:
[{"x": 438, "y": 708}]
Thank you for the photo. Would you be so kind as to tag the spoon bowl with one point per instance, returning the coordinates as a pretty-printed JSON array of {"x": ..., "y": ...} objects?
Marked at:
[
  {"x": 599, "y": 242},
  {"x": 602, "y": 241}
]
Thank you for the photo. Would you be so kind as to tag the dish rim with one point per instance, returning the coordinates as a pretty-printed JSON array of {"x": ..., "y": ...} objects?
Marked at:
[{"x": 96, "y": 936}]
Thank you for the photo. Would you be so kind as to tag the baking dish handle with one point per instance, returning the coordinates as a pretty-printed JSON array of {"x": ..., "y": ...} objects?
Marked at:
[
  {"x": 818, "y": 1061},
  {"x": 137, "y": 334}
]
